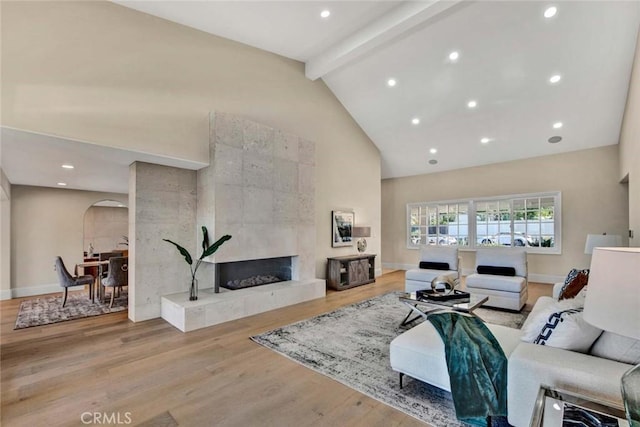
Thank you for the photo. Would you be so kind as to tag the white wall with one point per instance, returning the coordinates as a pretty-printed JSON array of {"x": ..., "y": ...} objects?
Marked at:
[
  {"x": 5, "y": 237},
  {"x": 104, "y": 228},
  {"x": 593, "y": 201},
  {"x": 125, "y": 79},
  {"x": 630, "y": 149},
  {"x": 46, "y": 222}
]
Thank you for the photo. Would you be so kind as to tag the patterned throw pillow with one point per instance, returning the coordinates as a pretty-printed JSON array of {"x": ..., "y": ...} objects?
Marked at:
[
  {"x": 568, "y": 330},
  {"x": 576, "y": 280}
]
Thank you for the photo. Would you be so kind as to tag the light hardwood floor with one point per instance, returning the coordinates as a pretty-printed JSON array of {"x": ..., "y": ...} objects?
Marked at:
[{"x": 154, "y": 375}]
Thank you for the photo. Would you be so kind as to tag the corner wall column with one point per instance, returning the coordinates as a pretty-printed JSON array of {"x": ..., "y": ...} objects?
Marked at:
[{"x": 162, "y": 204}]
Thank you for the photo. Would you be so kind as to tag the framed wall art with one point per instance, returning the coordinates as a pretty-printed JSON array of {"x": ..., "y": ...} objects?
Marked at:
[{"x": 342, "y": 228}]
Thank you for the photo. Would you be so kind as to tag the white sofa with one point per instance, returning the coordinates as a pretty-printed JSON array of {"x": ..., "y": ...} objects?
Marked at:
[
  {"x": 418, "y": 279},
  {"x": 509, "y": 292},
  {"x": 419, "y": 353}
]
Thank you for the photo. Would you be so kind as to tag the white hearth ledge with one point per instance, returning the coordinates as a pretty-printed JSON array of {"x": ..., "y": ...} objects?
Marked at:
[{"x": 211, "y": 308}]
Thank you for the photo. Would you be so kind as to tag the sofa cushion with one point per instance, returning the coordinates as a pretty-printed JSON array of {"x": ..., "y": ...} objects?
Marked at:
[
  {"x": 434, "y": 265},
  {"x": 498, "y": 283},
  {"x": 617, "y": 347},
  {"x": 568, "y": 330},
  {"x": 426, "y": 275},
  {"x": 573, "y": 284},
  {"x": 419, "y": 352},
  {"x": 499, "y": 271}
]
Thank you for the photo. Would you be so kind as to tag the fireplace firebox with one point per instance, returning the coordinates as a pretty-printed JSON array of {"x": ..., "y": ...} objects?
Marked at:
[{"x": 256, "y": 272}]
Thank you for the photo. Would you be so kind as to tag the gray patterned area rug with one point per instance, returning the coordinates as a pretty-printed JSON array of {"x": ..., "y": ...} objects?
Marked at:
[
  {"x": 47, "y": 310},
  {"x": 351, "y": 345}
]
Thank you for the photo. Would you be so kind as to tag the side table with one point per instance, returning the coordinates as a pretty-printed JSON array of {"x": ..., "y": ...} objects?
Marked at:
[{"x": 557, "y": 408}]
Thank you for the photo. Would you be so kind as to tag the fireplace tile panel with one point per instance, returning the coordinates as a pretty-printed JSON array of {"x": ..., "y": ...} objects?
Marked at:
[
  {"x": 227, "y": 129},
  {"x": 285, "y": 209},
  {"x": 307, "y": 152},
  {"x": 231, "y": 197},
  {"x": 257, "y": 170},
  {"x": 257, "y": 206},
  {"x": 274, "y": 195},
  {"x": 285, "y": 145},
  {"x": 258, "y": 138},
  {"x": 306, "y": 179},
  {"x": 231, "y": 157},
  {"x": 285, "y": 176}
]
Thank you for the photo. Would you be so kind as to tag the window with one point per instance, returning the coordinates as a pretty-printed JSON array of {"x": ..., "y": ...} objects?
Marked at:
[
  {"x": 529, "y": 220},
  {"x": 439, "y": 224}
]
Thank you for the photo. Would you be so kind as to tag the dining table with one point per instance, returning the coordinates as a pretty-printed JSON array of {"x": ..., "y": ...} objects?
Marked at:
[{"x": 100, "y": 265}]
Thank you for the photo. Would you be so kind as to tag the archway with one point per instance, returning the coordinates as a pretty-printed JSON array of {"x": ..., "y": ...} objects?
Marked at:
[{"x": 106, "y": 228}]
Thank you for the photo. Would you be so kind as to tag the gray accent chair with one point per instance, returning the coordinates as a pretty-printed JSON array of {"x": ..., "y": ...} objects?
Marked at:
[
  {"x": 67, "y": 280},
  {"x": 118, "y": 275}
]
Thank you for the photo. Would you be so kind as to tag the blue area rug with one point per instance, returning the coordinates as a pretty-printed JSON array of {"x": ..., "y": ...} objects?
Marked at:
[{"x": 351, "y": 345}]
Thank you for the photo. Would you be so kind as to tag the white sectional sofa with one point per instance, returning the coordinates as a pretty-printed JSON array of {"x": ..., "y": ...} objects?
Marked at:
[{"x": 419, "y": 353}]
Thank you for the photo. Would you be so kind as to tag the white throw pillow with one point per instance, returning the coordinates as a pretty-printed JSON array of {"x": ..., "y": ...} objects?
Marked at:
[
  {"x": 568, "y": 330},
  {"x": 544, "y": 307}
]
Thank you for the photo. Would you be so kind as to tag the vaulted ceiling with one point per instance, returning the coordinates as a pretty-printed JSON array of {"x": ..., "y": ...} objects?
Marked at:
[{"x": 490, "y": 101}]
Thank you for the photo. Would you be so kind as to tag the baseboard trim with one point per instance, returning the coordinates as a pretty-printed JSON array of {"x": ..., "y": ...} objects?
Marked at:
[
  {"x": 393, "y": 266},
  {"x": 533, "y": 277},
  {"x": 35, "y": 290},
  {"x": 545, "y": 278},
  {"x": 5, "y": 294}
]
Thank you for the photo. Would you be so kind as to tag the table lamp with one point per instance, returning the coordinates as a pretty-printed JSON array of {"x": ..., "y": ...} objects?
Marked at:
[
  {"x": 362, "y": 232},
  {"x": 613, "y": 304}
]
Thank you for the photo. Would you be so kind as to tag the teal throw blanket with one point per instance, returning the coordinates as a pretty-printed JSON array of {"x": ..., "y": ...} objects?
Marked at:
[{"x": 477, "y": 367}]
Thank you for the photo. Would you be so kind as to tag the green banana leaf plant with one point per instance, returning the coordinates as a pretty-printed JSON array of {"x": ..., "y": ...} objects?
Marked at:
[{"x": 207, "y": 250}]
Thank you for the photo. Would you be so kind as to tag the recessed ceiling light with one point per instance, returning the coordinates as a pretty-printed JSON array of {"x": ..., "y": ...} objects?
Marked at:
[
  {"x": 555, "y": 78},
  {"x": 550, "y": 12},
  {"x": 433, "y": 150},
  {"x": 453, "y": 56},
  {"x": 391, "y": 82},
  {"x": 67, "y": 166},
  {"x": 472, "y": 104},
  {"x": 62, "y": 184},
  {"x": 415, "y": 121},
  {"x": 557, "y": 125},
  {"x": 555, "y": 139},
  {"x": 433, "y": 162},
  {"x": 485, "y": 140},
  {"x": 325, "y": 13}
]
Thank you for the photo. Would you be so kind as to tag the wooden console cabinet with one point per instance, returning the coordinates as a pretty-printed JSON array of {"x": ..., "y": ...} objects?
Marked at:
[{"x": 345, "y": 272}]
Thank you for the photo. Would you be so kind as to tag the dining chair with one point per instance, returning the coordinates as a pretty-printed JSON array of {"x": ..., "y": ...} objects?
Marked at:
[
  {"x": 118, "y": 275},
  {"x": 67, "y": 280},
  {"x": 105, "y": 256}
]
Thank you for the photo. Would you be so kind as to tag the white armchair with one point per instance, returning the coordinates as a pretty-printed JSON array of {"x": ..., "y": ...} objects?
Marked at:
[
  {"x": 501, "y": 274},
  {"x": 435, "y": 261}
]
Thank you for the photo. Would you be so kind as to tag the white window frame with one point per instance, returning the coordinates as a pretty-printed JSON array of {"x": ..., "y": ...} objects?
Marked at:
[{"x": 472, "y": 202}]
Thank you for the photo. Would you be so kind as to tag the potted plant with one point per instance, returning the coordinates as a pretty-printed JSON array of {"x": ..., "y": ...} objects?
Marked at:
[{"x": 207, "y": 250}]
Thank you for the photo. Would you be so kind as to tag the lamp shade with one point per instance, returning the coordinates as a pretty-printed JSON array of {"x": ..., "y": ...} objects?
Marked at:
[
  {"x": 361, "y": 232},
  {"x": 613, "y": 293},
  {"x": 601, "y": 240}
]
